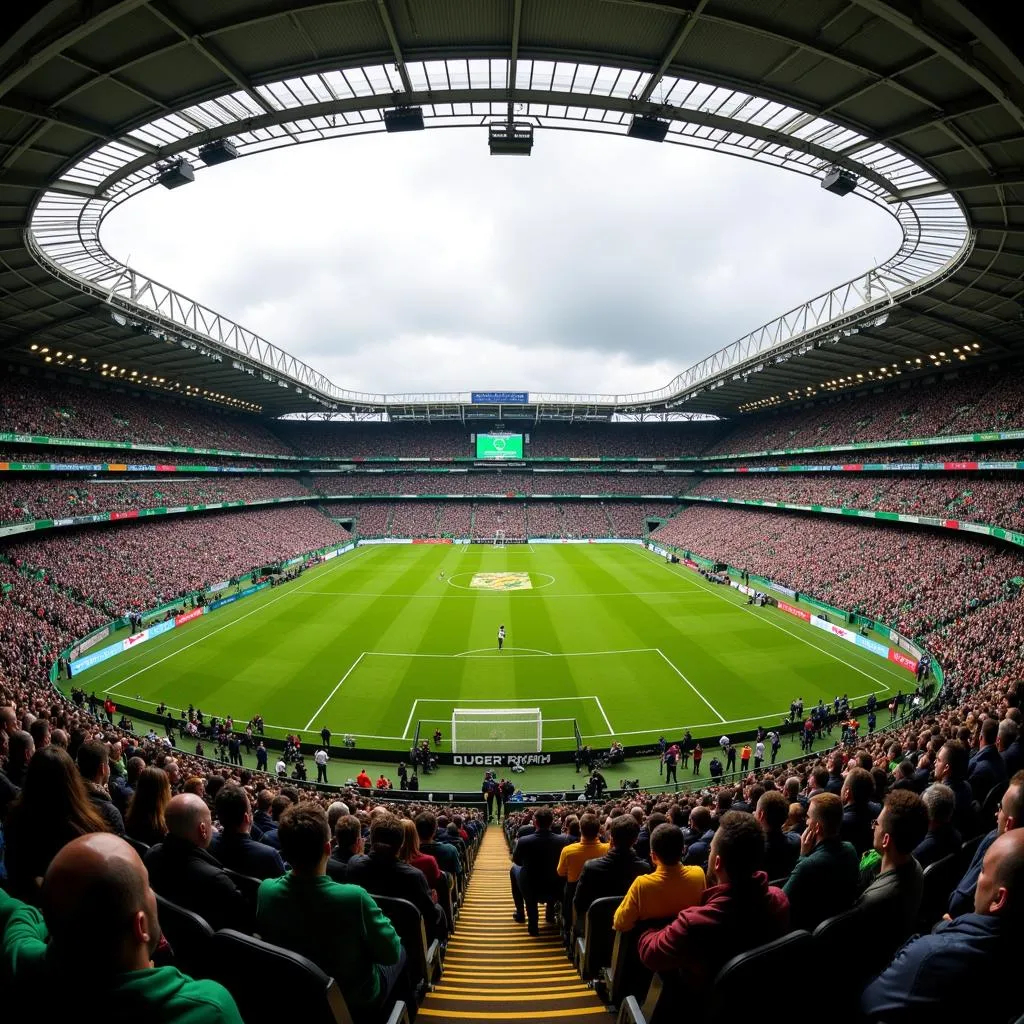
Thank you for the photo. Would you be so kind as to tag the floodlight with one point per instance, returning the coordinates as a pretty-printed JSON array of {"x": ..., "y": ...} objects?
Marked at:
[
  {"x": 219, "y": 152},
  {"x": 176, "y": 174},
  {"x": 653, "y": 129},
  {"x": 507, "y": 139},
  {"x": 404, "y": 119},
  {"x": 839, "y": 181}
]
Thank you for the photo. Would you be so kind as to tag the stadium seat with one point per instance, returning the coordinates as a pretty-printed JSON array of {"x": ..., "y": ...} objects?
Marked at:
[
  {"x": 248, "y": 886},
  {"x": 626, "y": 975},
  {"x": 425, "y": 965},
  {"x": 990, "y": 804},
  {"x": 294, "y": 989},
  {"x": 138, "y": 846},
  {"x": 594, "y": 947},
  {"x": 756, "y": 971},
  {"x": 940, "y": 880},
  {"x": 189, "y": 936},
  {"x": 567, "y": 915},
  {"x": 848, "y": 931}
]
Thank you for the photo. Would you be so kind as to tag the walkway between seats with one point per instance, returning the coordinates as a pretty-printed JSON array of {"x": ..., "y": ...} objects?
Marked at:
[{"x": 494, "y": 970}]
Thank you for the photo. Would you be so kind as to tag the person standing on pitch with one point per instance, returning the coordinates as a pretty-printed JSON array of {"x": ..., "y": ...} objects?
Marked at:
[
  {"x": 321, "y": 758},
  {"x": 501, "y": 637}
]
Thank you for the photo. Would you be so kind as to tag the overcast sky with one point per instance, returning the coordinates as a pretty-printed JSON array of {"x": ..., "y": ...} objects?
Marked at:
[{"x": 419, "y": 262}]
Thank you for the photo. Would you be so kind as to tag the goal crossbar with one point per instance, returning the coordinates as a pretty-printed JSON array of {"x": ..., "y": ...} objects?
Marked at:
[{"x": 497, "y": 730}]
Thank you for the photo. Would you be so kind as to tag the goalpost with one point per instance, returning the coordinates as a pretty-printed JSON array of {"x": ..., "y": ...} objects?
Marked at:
[
  {"x": 496, "y": 730},
  {"x": 499, "y": 538}
]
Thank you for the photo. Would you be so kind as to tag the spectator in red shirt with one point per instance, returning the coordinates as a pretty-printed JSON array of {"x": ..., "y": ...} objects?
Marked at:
[{"x": 740, "y": 910}]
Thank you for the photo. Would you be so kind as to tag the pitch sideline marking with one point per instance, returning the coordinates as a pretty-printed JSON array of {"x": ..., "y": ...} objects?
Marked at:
[
  {"x": 778, "y": 625},
  {"x": 600, "y": 708},
  {"x": 412, "y": 712},
  {"x": 214, "y": 632},
  {"x": 337, "y": 687},
  {"x": 672, "y": 665}
]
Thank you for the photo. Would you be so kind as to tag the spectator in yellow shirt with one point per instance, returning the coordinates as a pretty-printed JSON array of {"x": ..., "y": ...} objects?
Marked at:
[
  {"x": 575, "y": 855},
  {"x": 670, "y": 888}
]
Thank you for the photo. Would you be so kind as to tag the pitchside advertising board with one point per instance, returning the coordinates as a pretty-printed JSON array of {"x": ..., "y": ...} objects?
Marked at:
[{"x": 499, "y": 446}]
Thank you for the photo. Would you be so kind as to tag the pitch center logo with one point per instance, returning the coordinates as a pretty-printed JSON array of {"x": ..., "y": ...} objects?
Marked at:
[
  {"x": 501, "y": 581},
  {"x": 498, "y": 443}
]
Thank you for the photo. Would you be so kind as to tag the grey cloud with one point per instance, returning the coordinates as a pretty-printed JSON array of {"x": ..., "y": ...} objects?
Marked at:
[{"x": 419, "y": 263}]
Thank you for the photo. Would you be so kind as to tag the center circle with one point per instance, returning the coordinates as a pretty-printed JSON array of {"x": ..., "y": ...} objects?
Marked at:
[{"x": 488, "y": 590}]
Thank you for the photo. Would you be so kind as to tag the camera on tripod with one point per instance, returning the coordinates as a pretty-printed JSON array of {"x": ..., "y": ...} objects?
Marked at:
[{"x": 629, "y": 785}]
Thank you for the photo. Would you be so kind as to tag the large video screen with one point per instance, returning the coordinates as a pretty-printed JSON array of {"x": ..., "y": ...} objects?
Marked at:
[{"x": 499, "y": 446}]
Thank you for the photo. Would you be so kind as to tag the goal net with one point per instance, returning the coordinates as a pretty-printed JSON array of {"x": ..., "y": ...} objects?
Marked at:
[
  {"x": 499, "y": 538},
  {"x": 496, "y": 730}
]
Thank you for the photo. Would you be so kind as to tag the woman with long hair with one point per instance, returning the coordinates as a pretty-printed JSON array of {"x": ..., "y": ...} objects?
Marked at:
[
  {"x": 52, "y": 809},
  {"x": 144, "y": 819},
  {"x": 412, "y": 855}
]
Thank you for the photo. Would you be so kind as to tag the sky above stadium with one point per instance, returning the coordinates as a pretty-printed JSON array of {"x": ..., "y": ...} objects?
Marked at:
[{"x": 420, "y": 263}]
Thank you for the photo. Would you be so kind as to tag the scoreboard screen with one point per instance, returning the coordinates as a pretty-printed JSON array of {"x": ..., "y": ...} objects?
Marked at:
[{"x": 499, "y": 446}]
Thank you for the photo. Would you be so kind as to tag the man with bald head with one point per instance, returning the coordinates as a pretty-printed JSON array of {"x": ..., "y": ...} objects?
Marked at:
[
  {"x": 8, "y": 719},
  {"x": 182, "y": 870},
  {"x": 936, "y": 977},
  {"x": 20, "y": 748},
  {"x": 97, "y": 933}
]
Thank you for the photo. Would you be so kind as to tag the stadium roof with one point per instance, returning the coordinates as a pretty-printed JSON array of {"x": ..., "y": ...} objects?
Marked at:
[{"x": 924, "y": 104}]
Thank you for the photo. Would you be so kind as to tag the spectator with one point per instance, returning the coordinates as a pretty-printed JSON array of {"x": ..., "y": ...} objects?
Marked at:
[
  {"x": 348, "y": 843},
  {"x": 859, "y": 810},
  {"x": 182, "y": 870},
  {"x": 782, "y": 849},
  {"x": 339, "y": 927},
  {"x": 935, "y": 977},
  {"x": 942, "y": 839},
  {"x": 613, "y": 873},
  {"x": 574, "y": 856},
  {"x": 1008, "y": 742},
  {"x": 412, "y": 855},
  {"x": 381, "y": 873},
  {"x": 738, "y": 912},
  {"x": 447, "y": 856},
  {"x": 233, "y": 846},
  {"x": 893, "y": 899},
  {"x": 671, "y": 887},
  {"x": 145, "y": 819},
  {"x": 1008, "y": 818},
  {"x": 986, "y": 769},
  {"x": 98, "y": 934},
  {"x": 534, "y": 871},
  {"x": 951, "y": 768},
  {"x": 94, "y": 764},
  {"x": 52, "y": 809},
  {"x": 824, "y": 881}
]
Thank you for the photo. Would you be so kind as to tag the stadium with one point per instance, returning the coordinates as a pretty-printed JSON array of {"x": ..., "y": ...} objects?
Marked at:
[{"x": 344, "y": 686}]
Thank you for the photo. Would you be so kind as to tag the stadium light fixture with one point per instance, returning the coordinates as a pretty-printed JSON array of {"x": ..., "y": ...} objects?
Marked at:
[
  {"x": 839, "y": 181},
  {"x": 219, "y": 152},
  {"x": 643, "y": 126},
  {"x": 508, "y": 139},
  {"x": 404, "y": 119},
  {"x": 176, "y": 174}
]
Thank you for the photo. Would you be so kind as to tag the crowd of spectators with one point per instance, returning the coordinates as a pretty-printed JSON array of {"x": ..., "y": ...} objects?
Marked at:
[
  {"x": 991, "y": 499},
  {"x": 981, "y": 401},
  {"x": 508, "y": 482},
  {"x": 79, "y": 455},
  {"x": 32, "y": 406},
  {"x": 137, "y": 565},
  {"x": 24, "y": 498},
  {"x": 913, "y": 580},
  {"x": 898, "y": 456}
]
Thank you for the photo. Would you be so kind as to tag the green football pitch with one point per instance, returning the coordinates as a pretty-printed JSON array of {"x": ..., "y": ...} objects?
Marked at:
[{"x": 609, "y": 636}]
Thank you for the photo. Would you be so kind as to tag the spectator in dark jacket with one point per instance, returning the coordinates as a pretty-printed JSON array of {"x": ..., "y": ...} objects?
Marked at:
[
  {"x": 935, "y": 977},
  {"x": 738, "y": 912},
  {"x": 951, "y": 768},
  {"x": 381, "y": 873},
  {"x": 986, "y": 768},
  {"x": 534, "y": 872},
  {"x": 612, "y": 874},
  {"x": 348, "y": 843},
  {"x": 233, "y": 846},
  {"x": 94, "y": 764},
  {"x": 699, "y": 835},
  {"x": 824, "y": 881},
  {"x": 1009, "y": 817},
  {"x": 1008, "y": 742},
  {"x": 859, "y": 810},
  {"x": 942, "y": 839},
  {"x": 782, "y": 849},
  {"x": 892, "y": 901},
  {"x": 182, "y": 870},
  {"x": 446, "y": 855}
]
